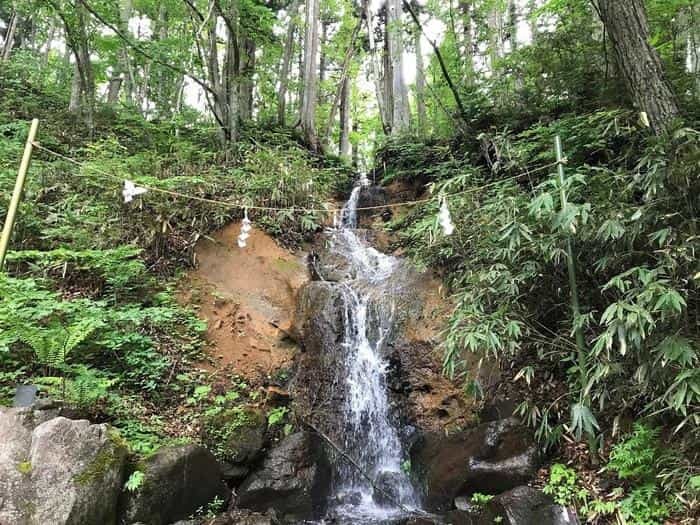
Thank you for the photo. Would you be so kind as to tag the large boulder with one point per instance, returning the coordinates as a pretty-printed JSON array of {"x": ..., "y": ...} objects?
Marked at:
[
  {"x": 526, "y": 506},
  {"x": 177, "y": 481},
  {"x": 490, "y": 458},
  {"x": 57, "y": 470},
  {"x": 294, "y": 480}
]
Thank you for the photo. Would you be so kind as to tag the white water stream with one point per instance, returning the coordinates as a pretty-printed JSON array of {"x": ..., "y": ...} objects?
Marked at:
[{"x": 371, "y": 434}]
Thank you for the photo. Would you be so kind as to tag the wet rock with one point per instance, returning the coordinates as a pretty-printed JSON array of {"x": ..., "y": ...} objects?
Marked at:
[
  {"x": 371, "y": 196},
  {"x": 490, "y": 458},
  {"x": 178, "y": 481},
  {"x": 233, "y": 473},
  {"x": 460, "y": 517},
  {"x": 237, "y": 435},
  {"x": 499, "y": 409},
  {"x": 52, "y": 468},
  {"x": 245, "y": 517},
  {"x": 388, "y": 488},
  {"x": 294, "y": 480},
  {"x": 526, "y": 506}
]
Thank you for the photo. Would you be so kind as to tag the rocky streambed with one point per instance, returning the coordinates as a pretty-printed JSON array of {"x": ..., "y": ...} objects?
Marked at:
[{"x": 380, "y": 436}]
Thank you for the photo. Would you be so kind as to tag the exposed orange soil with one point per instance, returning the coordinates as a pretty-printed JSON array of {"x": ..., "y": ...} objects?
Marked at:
[{"x": 248, "y": 298}]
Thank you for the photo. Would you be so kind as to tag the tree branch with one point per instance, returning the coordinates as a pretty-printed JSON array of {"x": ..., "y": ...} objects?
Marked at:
[
  {"x": 145, "y": 53},
  {"x": 443, "y": 66}
]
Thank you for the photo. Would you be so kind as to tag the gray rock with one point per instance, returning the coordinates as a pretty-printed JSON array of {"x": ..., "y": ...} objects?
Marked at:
[
  {"x": 25, "y": 395},
  {"x": 490, "y": 458},
  {"x": 177, "y": 481},
  {"x": 388, "y": 488},
  {"x": 294, "y": 480},
  {"x": 51, "y": 468},
  {"x": 526, "y": 506},
  {"x": 245, "y": 517}
]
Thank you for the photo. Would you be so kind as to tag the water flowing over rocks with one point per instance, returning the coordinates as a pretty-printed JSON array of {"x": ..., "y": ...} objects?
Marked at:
[{"x": 57, "y": 470}]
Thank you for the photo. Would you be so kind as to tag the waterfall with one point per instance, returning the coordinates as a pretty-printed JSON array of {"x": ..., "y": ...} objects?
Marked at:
[{"x": 371, "y": 433}]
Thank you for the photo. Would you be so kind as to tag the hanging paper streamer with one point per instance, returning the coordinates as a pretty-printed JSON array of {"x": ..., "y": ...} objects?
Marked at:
[
  {"x": 131, "y": 190},
  {"x": 245, "y": 230},
  {"x": 444, "y": 218}
]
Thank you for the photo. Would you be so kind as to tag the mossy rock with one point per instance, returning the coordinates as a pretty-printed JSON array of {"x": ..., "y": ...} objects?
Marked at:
[
  {"x": 177, "y": 481},
  {"x": 236, "y": 435}
]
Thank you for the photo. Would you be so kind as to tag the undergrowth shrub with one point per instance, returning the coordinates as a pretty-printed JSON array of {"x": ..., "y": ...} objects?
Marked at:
[{"x": 631, "y": 218}]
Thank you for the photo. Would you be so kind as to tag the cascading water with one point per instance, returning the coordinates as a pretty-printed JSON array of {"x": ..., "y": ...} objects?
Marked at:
[{"x": 371, "y": 434}]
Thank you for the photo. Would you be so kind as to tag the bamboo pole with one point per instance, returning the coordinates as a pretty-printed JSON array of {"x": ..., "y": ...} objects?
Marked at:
[
  {"x": 571, "y": 266},
  {"x": 17, "y": 193}
]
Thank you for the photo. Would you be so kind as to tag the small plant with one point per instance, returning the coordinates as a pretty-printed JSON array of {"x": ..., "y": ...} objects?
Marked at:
[
  {"x": 635, "y": 457},
  {"x": 563, "y": 486},
  {"x": 135, "y": 481},
  {"x": 481, "y": 500},
  {"x": 276, "y": 416}
]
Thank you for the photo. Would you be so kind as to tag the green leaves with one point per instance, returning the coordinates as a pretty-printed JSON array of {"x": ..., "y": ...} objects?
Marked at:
[{"x": 582, "y": 421}]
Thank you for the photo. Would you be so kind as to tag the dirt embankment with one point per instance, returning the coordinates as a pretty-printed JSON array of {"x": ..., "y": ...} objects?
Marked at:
[{"x": 247, "y": 296}]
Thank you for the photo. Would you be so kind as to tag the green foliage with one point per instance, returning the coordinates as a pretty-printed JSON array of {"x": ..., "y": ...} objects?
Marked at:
[
  {"x": 645, "y": 505},
  {"x": 481, "y": 500},
  {"x": 563, "y": 486},
  {"x": 635, "y": 457},
  {"x": 135, "y": 481},
  {"x": 276, "y": 416}
]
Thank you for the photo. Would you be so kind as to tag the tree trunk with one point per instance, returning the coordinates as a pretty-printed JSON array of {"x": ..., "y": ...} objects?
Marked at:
[
  {"x": 246, "y": 78},
  {"x": 345, "y": 119},
  {"x": 74, "y": 101},
  {"x": 286, "y": 66},
  {"x": 692, "y": 51},
  {"x": 9, "y": 41},
  {"x": 310, "y": 94},
  {"x": 322, "y": 51},
  {"x": 420, "y": 83},
  {"x": 639, "y": 62},
  {"x": 374, "y": 66},
  {"x": 401, "y": 115},
  {"x": 468, "y": 71},
  {"x": 495, "y": 28},
  {"x": 344, "y": 73}
]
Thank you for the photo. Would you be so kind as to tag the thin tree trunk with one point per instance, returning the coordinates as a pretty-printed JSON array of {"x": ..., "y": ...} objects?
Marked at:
[
  {"x": 286, "y": 66},
  {"x": 246, "y": 78},
  {"x": 639, "y": 62},
  {"x": 401, "y": 113},
  {"x": 344, "y": 71},
  {"x": 322, "y": 51},
  {"x": 468, "y": 71},
  {"x": 443, "y": 66},
  {"x": 345, "y": 119},
  {"x": 74, "y": 101},
  {"x": 310, "y": 94},
  {"x": 9, "y": 41},
  {"x": 420, "y": 83},
  {"x": 374, "y": 66}
]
